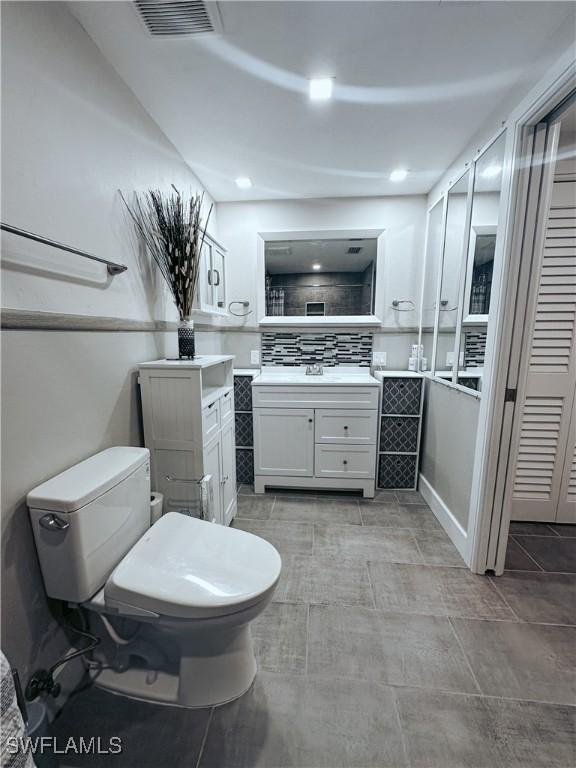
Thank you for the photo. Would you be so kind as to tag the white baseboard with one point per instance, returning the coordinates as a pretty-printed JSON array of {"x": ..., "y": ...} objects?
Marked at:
[{"x": 457, "y": 534}]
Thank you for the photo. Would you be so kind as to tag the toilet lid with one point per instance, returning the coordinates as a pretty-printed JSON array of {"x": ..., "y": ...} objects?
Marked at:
[{"x": 188, "y": 568}]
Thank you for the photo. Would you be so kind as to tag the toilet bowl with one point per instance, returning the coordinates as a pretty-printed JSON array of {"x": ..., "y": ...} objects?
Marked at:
[{"x": 188, "y": 587}]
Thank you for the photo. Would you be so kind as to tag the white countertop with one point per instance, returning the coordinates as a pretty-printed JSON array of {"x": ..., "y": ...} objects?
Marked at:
[
  {"x": 200, "y": 361},
  {"x": 296, "y": 375}
]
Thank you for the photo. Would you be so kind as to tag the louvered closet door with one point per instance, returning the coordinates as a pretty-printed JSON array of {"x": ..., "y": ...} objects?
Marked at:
[
  {"x": 567, "y": 502},
  {"x": 545, "y": 461}
]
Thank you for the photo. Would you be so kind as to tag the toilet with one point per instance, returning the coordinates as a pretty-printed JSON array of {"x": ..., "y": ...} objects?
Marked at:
[{"x": 175, "y": 600}]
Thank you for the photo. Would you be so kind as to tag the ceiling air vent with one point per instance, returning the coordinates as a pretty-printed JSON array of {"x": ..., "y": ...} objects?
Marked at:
[
  {"x": 354, "y": 249},
  {"x": 174, "y": 18}
]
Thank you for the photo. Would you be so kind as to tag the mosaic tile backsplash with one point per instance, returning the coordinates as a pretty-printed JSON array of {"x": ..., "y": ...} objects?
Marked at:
[
  {"x": 328, "y": 349},
  {"x": 474, "y": 349}
]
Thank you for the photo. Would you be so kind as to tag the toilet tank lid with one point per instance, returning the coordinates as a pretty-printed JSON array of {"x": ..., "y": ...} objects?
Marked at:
[{"x": 86, "y": 481}]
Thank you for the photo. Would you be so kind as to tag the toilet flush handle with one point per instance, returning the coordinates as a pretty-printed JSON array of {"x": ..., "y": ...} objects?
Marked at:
[{"x": 53, "y": 523}]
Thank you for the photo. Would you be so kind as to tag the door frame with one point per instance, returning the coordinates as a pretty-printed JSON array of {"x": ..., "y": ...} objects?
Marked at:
[{"x": 489, "y": 518}]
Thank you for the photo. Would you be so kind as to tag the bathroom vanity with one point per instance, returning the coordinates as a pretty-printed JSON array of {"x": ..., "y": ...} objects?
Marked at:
[{"x": 315, "y": 431}]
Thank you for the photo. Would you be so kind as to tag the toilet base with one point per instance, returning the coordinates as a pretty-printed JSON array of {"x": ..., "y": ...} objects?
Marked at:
[{"x": 215, "y": 668}]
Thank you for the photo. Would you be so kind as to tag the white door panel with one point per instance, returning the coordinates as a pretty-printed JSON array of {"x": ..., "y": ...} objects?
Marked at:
[
  {"x": 284, "y": 441},
  {"x": 542, "y": 486}
]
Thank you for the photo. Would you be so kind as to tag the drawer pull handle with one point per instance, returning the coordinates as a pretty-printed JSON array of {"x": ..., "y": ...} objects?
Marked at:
[
  {"x": 345, "y": 427},
  {"x": 344, "y": 462}
]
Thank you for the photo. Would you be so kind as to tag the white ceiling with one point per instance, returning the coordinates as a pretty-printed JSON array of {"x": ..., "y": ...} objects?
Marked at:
[
  {"x": 287, "y": 256},
  {"x": 413, "y": 83}
]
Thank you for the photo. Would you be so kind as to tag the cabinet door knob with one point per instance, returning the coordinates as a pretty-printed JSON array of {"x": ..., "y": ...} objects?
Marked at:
[
  {"x": 345, "y": 427},
  {"x": 344, "y": 462},
  {"x": 309, "y": 421}
]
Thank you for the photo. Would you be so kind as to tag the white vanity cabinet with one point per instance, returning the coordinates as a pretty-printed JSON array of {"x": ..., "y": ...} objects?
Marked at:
[
  {"x": 315, "y": 432},
  {"x": 188, "y": 410}
]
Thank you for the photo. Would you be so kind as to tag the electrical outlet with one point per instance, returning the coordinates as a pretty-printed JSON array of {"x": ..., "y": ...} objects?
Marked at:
[
  {"x": 255, "y": 357},
  {"x": 379, "y": 358}
]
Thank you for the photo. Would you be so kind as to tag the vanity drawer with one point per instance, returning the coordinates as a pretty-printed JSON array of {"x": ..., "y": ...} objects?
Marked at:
[
  {"x": 226, "y": 408},
  {"x": 401, "y": 395},
  {"x": 317, "y": 396},
  {"x": 399, "y": 434},
  {"x": 397, "y": 471},
  {"x": 345, "y": 461},
  {"x": 210, "y": 421},
  {"x": 349, "y": 427}
]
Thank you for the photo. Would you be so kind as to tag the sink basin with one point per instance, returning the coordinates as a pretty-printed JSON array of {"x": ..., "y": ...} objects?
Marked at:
[{"x": 340, "y": 375}]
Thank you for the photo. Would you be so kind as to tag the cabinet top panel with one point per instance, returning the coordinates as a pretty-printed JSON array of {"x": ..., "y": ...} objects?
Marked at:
[{"x": 201, "y": 361}]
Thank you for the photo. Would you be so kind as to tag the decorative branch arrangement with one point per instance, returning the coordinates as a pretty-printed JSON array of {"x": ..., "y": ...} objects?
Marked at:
[{"x": 172, "y": 229}]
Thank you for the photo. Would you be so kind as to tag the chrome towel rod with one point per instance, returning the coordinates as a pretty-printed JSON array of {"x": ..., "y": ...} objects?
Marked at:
[{"x": 111, "y": 266}]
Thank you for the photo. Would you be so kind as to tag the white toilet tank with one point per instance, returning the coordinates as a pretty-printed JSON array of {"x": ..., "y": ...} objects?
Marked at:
[{"x": 87, "y": 518}]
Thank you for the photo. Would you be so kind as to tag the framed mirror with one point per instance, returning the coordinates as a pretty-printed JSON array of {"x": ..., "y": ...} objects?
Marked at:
[
  {"x": 430, "y": 283},
  {"x": 453, "y": 260},
  {"x": 483, "y": 231},
  {"x": 315, "y": 277},
  {"x": 484, "y": 216}
]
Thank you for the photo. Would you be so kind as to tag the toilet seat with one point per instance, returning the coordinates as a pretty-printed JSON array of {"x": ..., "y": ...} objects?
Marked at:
[{"x": 188, "y": 568}]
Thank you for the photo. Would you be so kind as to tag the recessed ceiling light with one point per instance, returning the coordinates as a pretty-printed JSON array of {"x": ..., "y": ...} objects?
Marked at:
[
  {"x": 320, "y": 88},
  {"x": 399, "y": 174},
  {"x": 243, "y": 182},
  {"x": 316, "y": 266},
  {"x": 491, "y": 171}
]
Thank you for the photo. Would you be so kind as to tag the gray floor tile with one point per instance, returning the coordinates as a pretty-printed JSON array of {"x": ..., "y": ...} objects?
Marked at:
[
  {"x": 565, "y": 530},
  {"x": 366, "y": 542},
  {"x": 521, "y": 661},
  {"x": 435, "y": 590},
  {"x": 540, "y": 597},
  {"x": 409, "y": 497},
  {"x": 437, "y": 549},
  {"x": 324, "y": 580},
  {"x": 148, "y": 731},
  {"x": 517, "y": 559},
  {"x": 280, "y": 637},
  {"x": 556, "y": 555},
  {"x": 313, "y": 510},
  {"x": 416, "y": 516},
  {"x": 531, "y": 529},
  {"x": 288, "y": 538},
  {"x": 306, "y": 722},
  {"x": 255, "y": 507},
  {"x": 393, "y": 648},
  {"x": 448, "y": 730},
  {"x": 379, "y": 497}
]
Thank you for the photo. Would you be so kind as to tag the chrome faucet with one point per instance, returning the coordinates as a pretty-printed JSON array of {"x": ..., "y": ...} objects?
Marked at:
[{"x": 314, "y": 370}]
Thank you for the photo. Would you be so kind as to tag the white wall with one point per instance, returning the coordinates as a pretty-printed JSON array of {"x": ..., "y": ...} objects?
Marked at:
[
  {"x": 402, "y": 218},
  {"x": 72, "y": 134}
]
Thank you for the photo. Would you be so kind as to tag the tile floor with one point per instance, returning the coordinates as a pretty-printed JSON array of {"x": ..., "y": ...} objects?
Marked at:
[{"x": 380, "y": 649}]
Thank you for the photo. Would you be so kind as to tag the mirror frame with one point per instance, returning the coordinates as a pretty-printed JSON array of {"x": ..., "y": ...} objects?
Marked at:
[{"x": 323, "y": 320}]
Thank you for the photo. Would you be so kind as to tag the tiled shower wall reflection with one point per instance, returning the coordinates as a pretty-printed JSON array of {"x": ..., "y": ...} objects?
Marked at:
[{"x": 328, "y": 349}]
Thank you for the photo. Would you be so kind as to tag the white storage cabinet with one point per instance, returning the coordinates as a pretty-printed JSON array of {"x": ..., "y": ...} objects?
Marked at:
[{"x": 188, "y": 410}]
